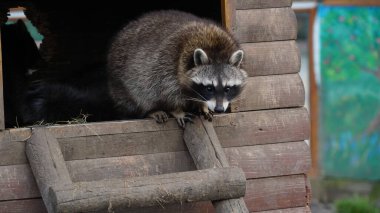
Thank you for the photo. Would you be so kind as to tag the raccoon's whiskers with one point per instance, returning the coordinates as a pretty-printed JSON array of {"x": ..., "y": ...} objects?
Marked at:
[{"x": 197, "y": 93}]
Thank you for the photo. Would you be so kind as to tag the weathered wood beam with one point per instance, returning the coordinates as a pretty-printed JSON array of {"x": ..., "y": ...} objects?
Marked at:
[
  {"x": 157, "y": 190},
  {"x": 206, "y": 151},
  {"x": 271, "y": 58},
  {"x": 272, "y": 24},
  {"x": 258, "y": 4},
  {"x": 47, "y": 163}
]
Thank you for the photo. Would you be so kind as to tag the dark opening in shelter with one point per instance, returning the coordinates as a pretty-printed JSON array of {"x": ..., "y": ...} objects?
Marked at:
[{"x": 76, "y": 38}]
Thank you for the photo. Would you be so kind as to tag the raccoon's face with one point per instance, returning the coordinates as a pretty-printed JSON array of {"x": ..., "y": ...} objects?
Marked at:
[{"x": 217, "y": 84}]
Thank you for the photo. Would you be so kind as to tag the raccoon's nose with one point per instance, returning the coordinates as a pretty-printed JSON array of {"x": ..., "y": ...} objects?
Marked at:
[{"x": 219, "y": 109}]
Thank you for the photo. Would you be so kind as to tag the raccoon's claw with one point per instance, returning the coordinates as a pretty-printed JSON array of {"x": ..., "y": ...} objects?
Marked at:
[
  {"x": 187, "y": 118},
  {"x": 208, "y": 115},
  {"x": 159, "y": 116}
]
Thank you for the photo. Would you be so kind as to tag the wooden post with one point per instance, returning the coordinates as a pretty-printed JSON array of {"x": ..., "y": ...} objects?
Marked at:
[
  {"x": 47, "y": 163},
  {"x": 206, "y": 151}
]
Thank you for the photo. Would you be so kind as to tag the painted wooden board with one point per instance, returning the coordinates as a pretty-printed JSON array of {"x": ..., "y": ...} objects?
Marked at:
[
  {"x": 272, "y": 24},
  {"x": 143, "y": 137},
  {"x": 268, "y": 92},
  {"x": 17, "y": 182},
  {"x": 278, "y": 192},
  {"x": 253, "y": 4},
  {"x": 270, "y": 58}
]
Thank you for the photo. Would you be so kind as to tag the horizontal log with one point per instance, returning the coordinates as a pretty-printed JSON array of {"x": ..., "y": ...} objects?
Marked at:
[
  {"x": 273, "y": 24},
  {"x": 271, "y": 58},
  {"x": 278, "y": 192},
  {"x": 256, "y": 161},
  {"x": 144, "y": 137},
  {"x": 37, "y": 206},
  {"x": 284, "y": 192},
  {"x": 256, "y": 4},
  {"x": 304, "y": 209},
  {"x": 156, "y": 190},
  {"x": 17, "y": 181},
  {"x": 23, "y": 206},
  {"x": 268, "y": 92}
]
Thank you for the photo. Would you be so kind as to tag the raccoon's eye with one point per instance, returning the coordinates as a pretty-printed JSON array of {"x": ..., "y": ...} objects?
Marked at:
[
  {"x": 210, "y": 88},
  {"x": 227, "y": 89}
]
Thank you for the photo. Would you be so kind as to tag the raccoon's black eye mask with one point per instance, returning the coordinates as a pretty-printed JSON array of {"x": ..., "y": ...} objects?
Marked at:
[{"x": 210, "y": 91}]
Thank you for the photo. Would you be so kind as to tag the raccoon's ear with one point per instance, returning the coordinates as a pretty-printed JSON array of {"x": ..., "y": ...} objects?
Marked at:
[
  {"x": 236, "y": 58},
  {"x": 200, "y": 57}
]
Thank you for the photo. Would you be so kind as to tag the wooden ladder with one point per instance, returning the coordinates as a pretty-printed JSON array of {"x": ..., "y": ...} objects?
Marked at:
[{"x": 214, "y": 180}]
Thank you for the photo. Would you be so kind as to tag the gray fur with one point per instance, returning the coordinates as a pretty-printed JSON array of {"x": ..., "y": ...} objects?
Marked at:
[{"x": 151, "y": 61}]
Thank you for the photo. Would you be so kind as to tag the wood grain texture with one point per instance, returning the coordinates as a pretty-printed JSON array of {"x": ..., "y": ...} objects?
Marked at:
[
  {"x": 266, "y": 194},
  {"x": 156, "y": 190},
  {"x": 305, "y": 209},
  {"x": 23, "y": 206},
  {"x": 256, "y": 4},
  {"x": 17, "y": 182},
  {"x": 268, "y": 92},
  {"x": 256, "y": 161},
  {"x": 270, "y": 58},
  {"x": 276, "y": 193},
  {"x": 47, "y": 163},
  {"x": 253, "y": 128},
  {"x": 273, "y": 24},
  {"x": 207, "y": 152},
  {"x": 229, "y": 14}
]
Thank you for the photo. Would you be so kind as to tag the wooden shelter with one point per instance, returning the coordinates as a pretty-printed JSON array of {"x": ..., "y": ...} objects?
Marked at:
[{"x": 263, "y": 134}]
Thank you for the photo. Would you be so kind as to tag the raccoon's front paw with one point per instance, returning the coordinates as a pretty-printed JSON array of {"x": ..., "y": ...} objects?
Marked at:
[
  {"x": 207, "y": 114},
  {"x": 183, "y": 117},
  {"x": 159, "y": 116}
]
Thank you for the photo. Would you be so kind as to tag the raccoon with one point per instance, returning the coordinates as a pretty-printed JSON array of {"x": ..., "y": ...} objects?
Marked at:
[{"x": 174, "y": 62}]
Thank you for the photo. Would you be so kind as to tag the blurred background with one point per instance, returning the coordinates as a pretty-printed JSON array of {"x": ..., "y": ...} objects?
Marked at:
[{"x": 339, "y": 42}]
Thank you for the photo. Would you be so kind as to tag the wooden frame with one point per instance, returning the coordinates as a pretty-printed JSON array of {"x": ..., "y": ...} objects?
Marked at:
[
  {"x": 353, "y": 2},
  {"x": 313, "y": 88}
]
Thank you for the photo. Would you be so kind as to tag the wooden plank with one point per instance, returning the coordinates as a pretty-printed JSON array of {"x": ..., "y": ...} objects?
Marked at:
[
  {"x": 256, "y": 4},
  {"x": 2, "y": 118},
  {"x": 207, "y": 152},
  {"x": 265, "y": 194},
  {"x": 276, "y": 193},
  {"x": 305, "y": 209},
  {"x": 17, "y": 182},
  {"x": 273, "y": 24},
  {"x": 268, "y": 92},
  {"x": 23, "y": 206},
  {"x": 256, "y": 161},
  {"x": 253, "y": 128},
  {"x": 271, "y": 159},
  {"x": 269, "y": 58}
]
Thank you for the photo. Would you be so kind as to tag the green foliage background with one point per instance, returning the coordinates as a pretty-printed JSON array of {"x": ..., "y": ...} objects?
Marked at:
[{"x": 350, "y": 90}]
